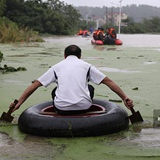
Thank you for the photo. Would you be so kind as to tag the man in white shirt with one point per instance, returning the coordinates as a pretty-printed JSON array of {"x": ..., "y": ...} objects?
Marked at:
[{"x": 73, "y": 94}]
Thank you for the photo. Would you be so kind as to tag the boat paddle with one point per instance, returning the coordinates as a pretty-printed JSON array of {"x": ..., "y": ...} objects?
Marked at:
[{"x": 6, "y": 117}]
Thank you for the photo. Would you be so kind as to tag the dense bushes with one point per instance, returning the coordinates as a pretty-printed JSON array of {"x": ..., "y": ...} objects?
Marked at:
[
  {"x": 50, "y": 16},
  {"x": 151, "y": 25},
  {"x": 10, "y": 32}
]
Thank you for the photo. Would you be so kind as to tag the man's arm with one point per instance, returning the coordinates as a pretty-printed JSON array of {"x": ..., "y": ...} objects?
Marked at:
[
  {"x": 30, "y": 89},
  {"x": 115, "y": 88}
]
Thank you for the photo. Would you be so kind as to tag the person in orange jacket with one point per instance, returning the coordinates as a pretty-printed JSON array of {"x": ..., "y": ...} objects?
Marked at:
[
  {"x": 110, "y": 36},
  {"x": 85, "y": 33},
  {"x": 99, "y": 34},
  {"x": 95, "y": 37},
  {"x": 80, "y": 32},
  {"x": 111, "y": 32}
]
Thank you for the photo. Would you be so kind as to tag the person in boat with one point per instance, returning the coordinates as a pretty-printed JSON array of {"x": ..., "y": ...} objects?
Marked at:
[
  {"x": 73, "y": 94},
  {"x": 111, "y": 32},
  {"x": 110, "y": 36},
  {"x": 99, "y": 34},
  {"x": 91, "y": 30},
  {"x": 80, "y": 32},
  {"x": 85, "y": 33},
  {"x": 95, "y": 37}
]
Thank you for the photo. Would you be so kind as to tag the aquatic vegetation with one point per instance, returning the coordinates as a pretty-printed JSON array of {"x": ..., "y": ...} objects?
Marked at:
[{"x": 9, "y": 68}]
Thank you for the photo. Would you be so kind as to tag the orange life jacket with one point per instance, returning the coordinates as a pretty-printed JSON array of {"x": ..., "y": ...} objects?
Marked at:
[
  {"x": 96, "y": 34},
  {"x": 95, "y": 37},
  {"x": 85, "y": 32},
  {"x": 112, "y": 33},
  {"x": 80, "y": 32},
  {"x": 100, "y": 35}
]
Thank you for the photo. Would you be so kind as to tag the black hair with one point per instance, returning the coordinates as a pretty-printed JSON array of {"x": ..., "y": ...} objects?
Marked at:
[
  {"x": 100, "y": 28},
  {"x": 72, "y": 50}
]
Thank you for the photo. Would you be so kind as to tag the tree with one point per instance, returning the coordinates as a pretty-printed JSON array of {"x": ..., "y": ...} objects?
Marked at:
[
  {"x": 2, "y": 6},
  {"x": 63, "y": 13},
  {"x": 152, "y": 25},
  {"x": 52, "y": 16}
]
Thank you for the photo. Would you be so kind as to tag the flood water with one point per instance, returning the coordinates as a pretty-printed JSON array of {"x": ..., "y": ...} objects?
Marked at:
[{"x": 134, "y": 66}]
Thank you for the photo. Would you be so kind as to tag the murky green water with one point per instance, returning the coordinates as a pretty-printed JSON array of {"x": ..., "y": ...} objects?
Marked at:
[{"x": 134, "y": 66}]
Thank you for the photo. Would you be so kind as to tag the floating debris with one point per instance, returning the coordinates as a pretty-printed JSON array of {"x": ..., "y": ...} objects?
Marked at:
[
  {"x": 136, "y": 88},
  {"x": 12, "y": 69},
  {"x": 115, "y": 100}
]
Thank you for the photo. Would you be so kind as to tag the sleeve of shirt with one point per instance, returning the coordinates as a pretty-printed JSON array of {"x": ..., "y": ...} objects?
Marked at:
[
  {"x": 47, "y": 78},
  {"x": 96, "y": 76}
]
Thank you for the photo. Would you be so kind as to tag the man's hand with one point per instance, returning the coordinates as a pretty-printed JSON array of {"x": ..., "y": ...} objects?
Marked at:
[{"x": 128, "y": 103}]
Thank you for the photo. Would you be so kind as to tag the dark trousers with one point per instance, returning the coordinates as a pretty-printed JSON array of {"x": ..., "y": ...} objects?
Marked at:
[{"x": 61, "y": 112}]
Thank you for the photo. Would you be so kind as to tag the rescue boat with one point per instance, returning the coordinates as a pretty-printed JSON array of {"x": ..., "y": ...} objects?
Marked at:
[{"x": 99, "y": 42}]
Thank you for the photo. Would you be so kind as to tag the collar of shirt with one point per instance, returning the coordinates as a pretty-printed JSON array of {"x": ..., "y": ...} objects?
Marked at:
[{"x": 72, "y": 57}]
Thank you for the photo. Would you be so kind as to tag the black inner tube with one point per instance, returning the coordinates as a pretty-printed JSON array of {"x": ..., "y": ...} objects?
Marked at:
[{"x": 114, "y": 120}]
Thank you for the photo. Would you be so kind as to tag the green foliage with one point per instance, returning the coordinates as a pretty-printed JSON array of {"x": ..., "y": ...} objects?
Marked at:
[
  {"x": 152, "y": 25},
  {"x": 146, "y": 26},
  {"x": 50, "y": 16},
  {"x": 86, "y": 25},
  {"x": 2, "y": 6},
  {"x": 10, "y": 32},
  {"x": 58, "y": 18}
]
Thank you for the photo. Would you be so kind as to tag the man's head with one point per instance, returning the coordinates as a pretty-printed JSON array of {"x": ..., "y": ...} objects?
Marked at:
[
  {"x": 100, "y": 28},
  {"x": 108, "y": 29},
  {"x": 72, "y": 50}
]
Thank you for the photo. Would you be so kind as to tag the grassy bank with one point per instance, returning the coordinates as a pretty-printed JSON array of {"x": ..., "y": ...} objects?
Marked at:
[{"x": 11, "y": 33}]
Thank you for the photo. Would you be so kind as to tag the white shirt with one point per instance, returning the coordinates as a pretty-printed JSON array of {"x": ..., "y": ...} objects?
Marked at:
[{"x": 72, "y": 89}]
